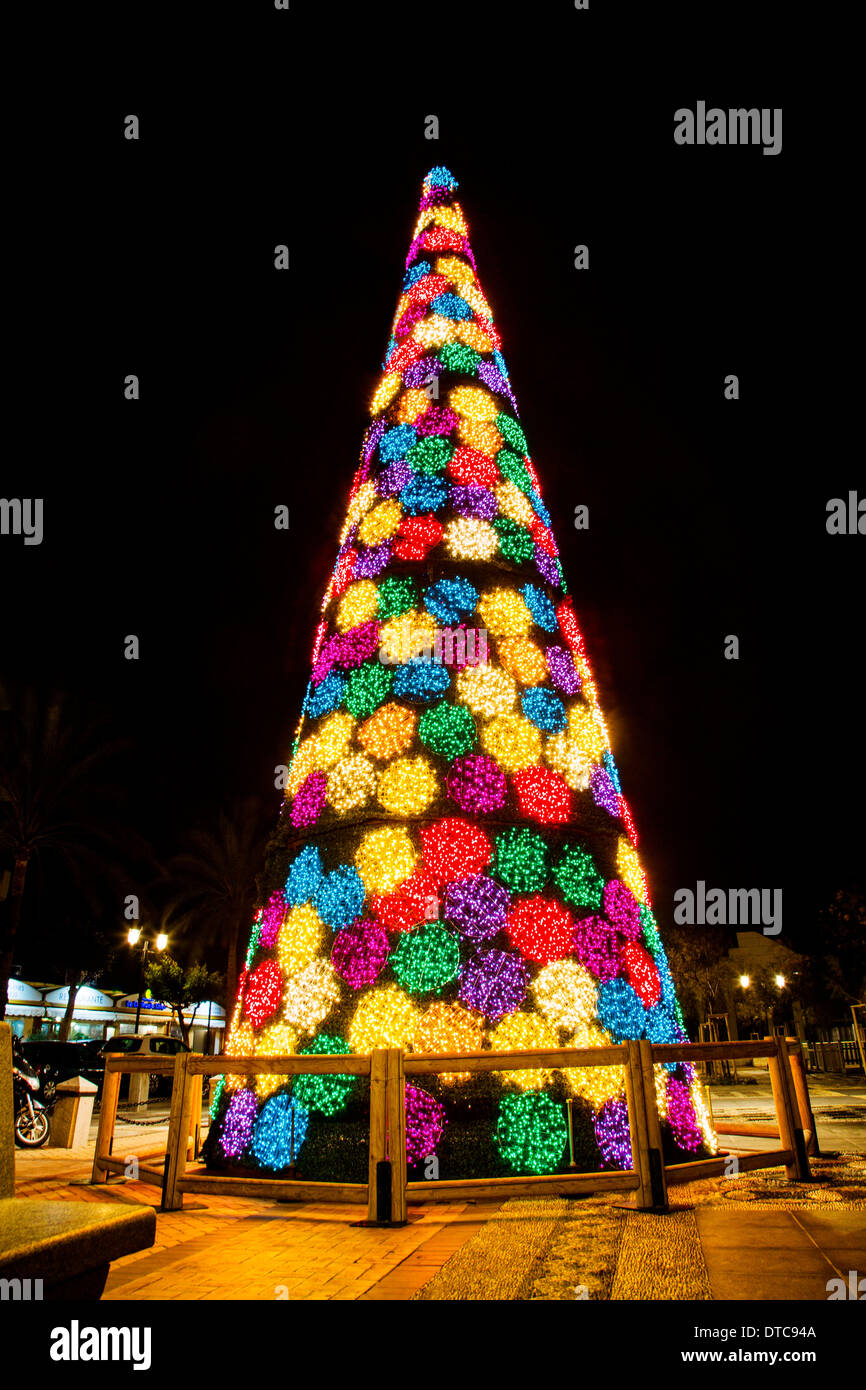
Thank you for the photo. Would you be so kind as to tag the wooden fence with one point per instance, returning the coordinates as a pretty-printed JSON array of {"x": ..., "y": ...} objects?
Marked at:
[{"x": 387, "y": 1191}]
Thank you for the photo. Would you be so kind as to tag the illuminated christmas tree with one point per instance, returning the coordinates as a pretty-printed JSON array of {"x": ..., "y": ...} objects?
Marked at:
[{"x": 455, "y": 867}]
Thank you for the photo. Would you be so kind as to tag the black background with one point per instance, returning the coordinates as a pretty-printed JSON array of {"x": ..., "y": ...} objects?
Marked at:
[{"x": 707, "y": 516}]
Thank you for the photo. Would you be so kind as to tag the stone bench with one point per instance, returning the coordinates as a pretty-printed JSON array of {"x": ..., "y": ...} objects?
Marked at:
[{"x": 69, "y": 1246}]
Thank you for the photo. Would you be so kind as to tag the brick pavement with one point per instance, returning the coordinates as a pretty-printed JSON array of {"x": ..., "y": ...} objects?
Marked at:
[{"x": 226, "y": 1248}]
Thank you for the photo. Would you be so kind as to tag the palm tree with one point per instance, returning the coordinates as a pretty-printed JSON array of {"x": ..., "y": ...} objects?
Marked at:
[
  {"x": 57, "y": 810},
  {"x": 215, "y": 880}
]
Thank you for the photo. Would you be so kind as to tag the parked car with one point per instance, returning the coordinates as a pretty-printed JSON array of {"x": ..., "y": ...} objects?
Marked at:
[
  {"x": 56, "y": 1061},
  {"x": 146, "y": 1044}
]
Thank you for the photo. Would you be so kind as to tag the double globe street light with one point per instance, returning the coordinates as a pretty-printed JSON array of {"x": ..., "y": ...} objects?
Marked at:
[{"x": 134, "y": 936}]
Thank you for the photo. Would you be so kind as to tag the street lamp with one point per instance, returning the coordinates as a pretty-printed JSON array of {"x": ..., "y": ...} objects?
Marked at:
[
  {"x": 745, "y": 981},
  {"x": 780, "y": 981},
  {"x": 134, "y": 935}
]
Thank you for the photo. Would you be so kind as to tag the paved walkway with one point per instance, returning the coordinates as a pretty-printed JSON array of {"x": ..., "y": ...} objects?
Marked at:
[{"x": 224, "y": 1248}]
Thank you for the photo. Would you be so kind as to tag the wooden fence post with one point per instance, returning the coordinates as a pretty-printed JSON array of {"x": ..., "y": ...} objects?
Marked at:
[
  {"x": 654, "y": 1130},
  {"x": 378, "y": 1100},
  {"x": 637, "y": 1123},
  {"x": 804, "y": 1103},
  {"x": 397, "y": 1134},
  {"x": 107, "y": 1119},
  {"x": 790, "y": 1134},
  {"x": 178, "y": 1133}
]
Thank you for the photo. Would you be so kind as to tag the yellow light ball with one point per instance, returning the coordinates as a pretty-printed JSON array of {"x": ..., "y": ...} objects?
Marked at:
[
  {"x": 513, "y": 741},
  {"x": 359, "y": 604},
  {"x": 385, "y": 1017},
  {"x": 504, "y": 613},
  {"x": 519, "y": 1032},
  {"x": 300, "y": 938},
  {"x": 381, "y": 523},
  {"x": 407, "y": 786},
  {"x": 385, "y": 858}
]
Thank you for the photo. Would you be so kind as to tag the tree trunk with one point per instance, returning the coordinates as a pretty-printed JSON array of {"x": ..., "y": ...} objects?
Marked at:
[
  {"x": 184, "y": 1031},
  {"x": 13, "y": 917},
  {"x": 66, "y": 1024}
]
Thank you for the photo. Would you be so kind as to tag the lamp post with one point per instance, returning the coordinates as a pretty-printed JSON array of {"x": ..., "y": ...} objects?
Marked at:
[{"x": 133, "y": 937}]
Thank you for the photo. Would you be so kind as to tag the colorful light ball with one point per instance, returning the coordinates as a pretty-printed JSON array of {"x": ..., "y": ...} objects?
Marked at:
[
  {"x": 408, "y": 786},
  {"x": 545, "y": 709},
  {"x": 326, "y": 1093},
  {"x": 612, "y": 1134},
  {"x": 477, "y": 784},
  {"x": 540, "y": 928},
  {"x": 448, "y": 730},
  {"x": 622, "y": 908},
  {"x": 521, "y": 860},
  {"x": 577, "y": 878},
  {"x": 263, "y": 993},
  {"x": 620, "y": 1011},
  {"x": 641, "y": 973},
  {"x": 531, "y": 1132},
  {"x": 565, "y": 992},
  {"x": 237, "y": 1127},
  {"x": 595, "y": 1084},
  {"x": 339, "y": 897},
  {"x": 494, "y": 983},
  {"x": 300, "y": 938},
  {"x": 273, "y": 917},
  {"x": 560, "y": 663},
  {"x": 359, "y": 953},
  {"x": 445, "y": 1029},
  {"x": 310, "y": 995},
  {"x": 422, "y": 680},
  {"x": 385, "y": 1017},
  {"x": 454, "y": 849},
  {"x": 279, "y": 1133},
  {"x": 425, "y": 1124},
  {"x": 598, "y": 945},
  {"x": 487, "y": 691},
  {"x": 426, "y": 958},
  {"x": 681, "y": 1117},
  {"x": 521, "y": 1032},
  {"x": 477, "y": 906},
  {"x": 513, "y": 741},
  {"x": 385, "y": 857},
  {"x": 542, "y": 796}
]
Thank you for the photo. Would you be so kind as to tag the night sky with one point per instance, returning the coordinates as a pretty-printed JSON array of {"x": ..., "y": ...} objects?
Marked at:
[{"x": 707, "y": 517}]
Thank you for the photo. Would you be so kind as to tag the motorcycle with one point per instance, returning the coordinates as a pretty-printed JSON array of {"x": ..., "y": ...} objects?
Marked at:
[{"x": 32, "y": 1126}]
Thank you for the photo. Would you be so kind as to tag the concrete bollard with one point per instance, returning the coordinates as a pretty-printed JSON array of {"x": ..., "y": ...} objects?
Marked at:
[
  {"x": 139, "y": 1088},
  {"x": 70, "y": 1123}
]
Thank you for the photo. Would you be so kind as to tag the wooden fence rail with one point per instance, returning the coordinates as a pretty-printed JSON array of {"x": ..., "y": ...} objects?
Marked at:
[{"x": 387, "y": 1191}]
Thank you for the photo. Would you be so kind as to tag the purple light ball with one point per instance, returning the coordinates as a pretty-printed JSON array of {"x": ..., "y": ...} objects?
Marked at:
[
  {"x": 494, "y": 983},
  {"x": 477, "y": 906}
]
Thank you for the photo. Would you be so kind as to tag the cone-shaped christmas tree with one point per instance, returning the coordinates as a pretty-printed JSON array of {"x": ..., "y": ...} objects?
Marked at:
[{"x": 455, "y": 866}]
